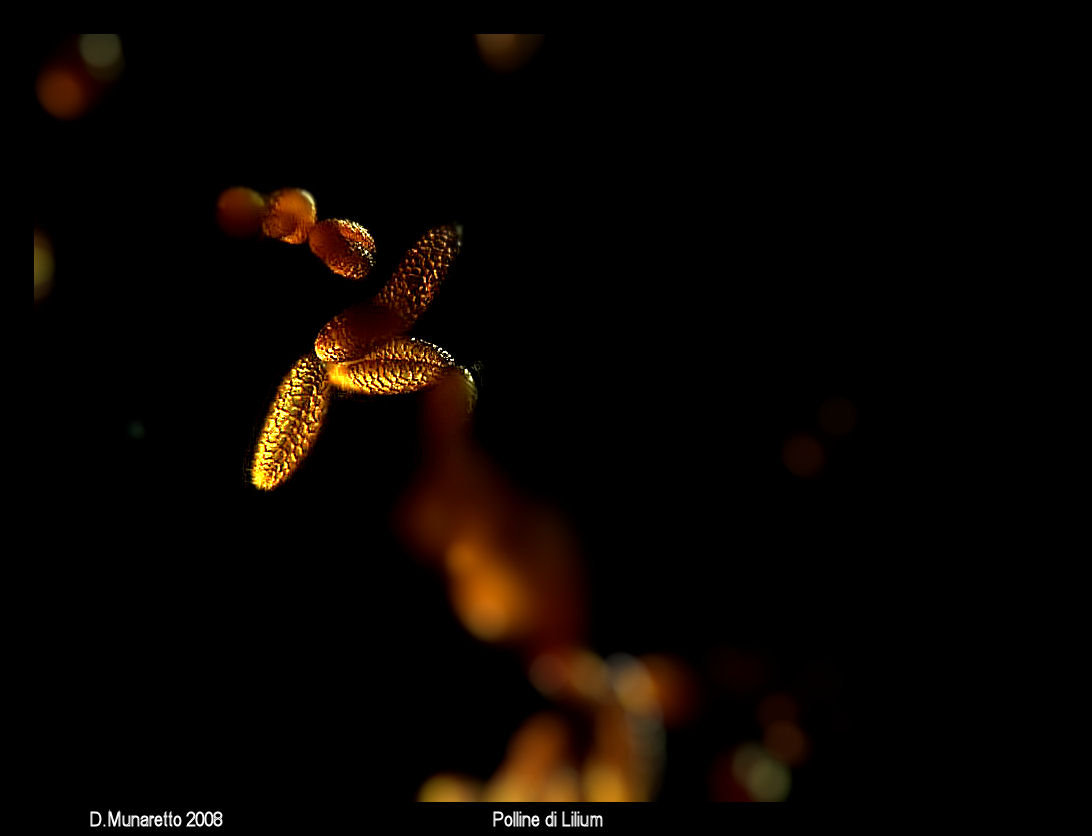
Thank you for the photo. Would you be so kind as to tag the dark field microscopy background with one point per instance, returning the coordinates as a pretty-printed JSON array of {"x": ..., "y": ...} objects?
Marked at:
[{"x": 674, "y": 254}]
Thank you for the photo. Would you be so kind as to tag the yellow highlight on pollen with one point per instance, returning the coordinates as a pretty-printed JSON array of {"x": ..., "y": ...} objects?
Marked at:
[
  {"x": 292, "y": 424},
  {"x": 401, "y": 364},
  {"x": 345, "y": 247}
]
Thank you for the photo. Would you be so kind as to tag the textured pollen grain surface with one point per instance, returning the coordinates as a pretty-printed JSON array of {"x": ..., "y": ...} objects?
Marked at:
[
  {"x": 417, "y": 278},
  {"x": 402, "y": 364},
  {"x": 345, "y": 247},
  {"x": 354, "y": 332},
  {"x": 290, "y": 217},
  {"x": 293, "y": 423}
]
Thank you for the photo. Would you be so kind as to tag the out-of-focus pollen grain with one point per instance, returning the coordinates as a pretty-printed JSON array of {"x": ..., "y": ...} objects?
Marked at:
[
  {"x": 417, "y": 278},
  {"x": 345, "y": 247},
  {"x": 239, "y": 212},
  {"x": 290, "y": 217},
  {"x": 292, "y": 424},
  {"x": 397, "y": 366}
]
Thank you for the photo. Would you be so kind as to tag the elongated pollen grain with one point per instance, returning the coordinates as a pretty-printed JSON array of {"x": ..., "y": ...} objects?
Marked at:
[
  {"x": 419, "y": 275},
  {"x": 292, "y": 424},
  {"x": 400, "y": 365}
]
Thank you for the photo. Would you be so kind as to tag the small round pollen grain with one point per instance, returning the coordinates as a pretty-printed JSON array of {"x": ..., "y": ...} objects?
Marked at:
[
  {"x": 345, "y": 247},
  {"x": 291, "y": 216},
  {"x": 353, "y": 332},
  {"x": 397, "y": 366},
  {"x": 419, "y": 275},
  {"x": 292, "y": 424},
  {"x": 239, "y": 212}
]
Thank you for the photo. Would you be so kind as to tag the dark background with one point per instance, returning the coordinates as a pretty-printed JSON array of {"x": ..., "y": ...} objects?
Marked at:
[{"x": 674, "y": 251}]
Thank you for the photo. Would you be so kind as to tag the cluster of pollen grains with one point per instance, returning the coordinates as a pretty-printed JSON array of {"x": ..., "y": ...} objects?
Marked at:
[
  {"x": 362, "y": 350},
  {"x": 285, "y": 215},
  {"x": 293, "y": 422}
]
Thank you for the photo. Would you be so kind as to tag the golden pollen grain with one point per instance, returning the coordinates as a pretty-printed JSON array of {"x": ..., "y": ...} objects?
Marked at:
[
  {"x": 292, "y": 424},
  {"x": 402, "y": 364},
  {"x": 239, "y": 212},
  {"x": 291, "y": 216},
  {"x": 345, "y": 247},
  {"x": 423, "y": 268},
  {"x": 353, "y": 332}
]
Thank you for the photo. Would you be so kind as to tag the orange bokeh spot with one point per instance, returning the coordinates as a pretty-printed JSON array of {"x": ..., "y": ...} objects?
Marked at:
[
  {"x": 506, "y": 53},
  {"x": 448, "y": 788},
  {"x": 786, "y": 742},
  {"x": 486, "y": 594},
  {"x": 62, "y": 92},
  {"x": 777, "y": 708},
  {"x": 674, "y": 686},
  {"x": 803, "y": 456},
  {"x": 837, "y": 416}
]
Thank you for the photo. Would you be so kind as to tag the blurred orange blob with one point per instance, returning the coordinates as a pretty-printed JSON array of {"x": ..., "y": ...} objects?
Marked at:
[
  {"x": 803, "y": 456},
  {"x": 786, "y": 742},
  {"x": 837, "y": 416},
  {"x": 64, "y": 92},
  {"x": 515, "y": 556},
  {"x": 674, "y": 687},
  {"x": 446, "y": 408},
  {"x": 78, "y": 74},
  {"x": 574, "y": 673},
  {"x": 449, "y": 788},
  {"x": 562, "y": 786},
  {"x": 487, "y": 595},
  {"x": 290, "y": 216},
  {"x": 606, "y": 782},
  {"x": 346, "y": 247},
  {"x": 43, "y": 266},
  {"x": 620, "y": 766},
  {"x": 777, "y": 708},
  {"x": 507, "y": 53},
  {"x": 239, "y": 212},
  {"x": 723, "y": 784},
  {"x": 536, "y": 764},
  {"x": 633, "y": 686}
]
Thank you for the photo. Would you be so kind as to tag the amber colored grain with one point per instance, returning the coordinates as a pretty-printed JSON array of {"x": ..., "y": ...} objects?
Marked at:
[
  {"x": 353, "y": 332},
  {"x": 239, "y": 212},
  {"x": 345, "y": 247},
  {"x": 423, "y": 268},
  {"x": 292, "y": 424},
  {"x": 291, "y": 216},
  {"x": 399, "y": 365}
]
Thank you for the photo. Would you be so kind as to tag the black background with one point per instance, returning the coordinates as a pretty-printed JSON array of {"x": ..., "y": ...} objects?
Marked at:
[{"x": 674, "y": 251}]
